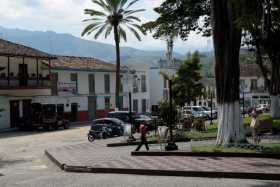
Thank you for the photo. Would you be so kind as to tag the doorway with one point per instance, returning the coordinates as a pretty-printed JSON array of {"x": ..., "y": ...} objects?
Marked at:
[
  {"x": 74, "y": 112},
  {"x": 23, "y": 74},
  {"x": 27, "y": 112},
  {"x": 14, "y": 113},
  {"x": 92, "y": 107}
]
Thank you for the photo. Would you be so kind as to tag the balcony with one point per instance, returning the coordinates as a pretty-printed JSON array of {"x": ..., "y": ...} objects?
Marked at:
[
  {"x": 24, "y": 82},
  {"x": 258, "y": 89}
]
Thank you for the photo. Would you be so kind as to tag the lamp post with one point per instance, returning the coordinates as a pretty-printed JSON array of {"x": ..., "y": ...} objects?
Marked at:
[
  {"x": 171, "y": 145},
  {"x": 211, "y": 95}
]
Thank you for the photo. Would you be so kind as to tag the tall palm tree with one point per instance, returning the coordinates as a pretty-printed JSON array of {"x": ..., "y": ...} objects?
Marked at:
[{"x": 115, "y": 15}]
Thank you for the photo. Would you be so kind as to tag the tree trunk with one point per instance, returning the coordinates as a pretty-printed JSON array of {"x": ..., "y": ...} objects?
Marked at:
[
  {"x": 118, "y": 61},
  {"x": 227, "y": 41},
  {"x": 274, "y": 107},
  {"x": 275, "y": 86}
]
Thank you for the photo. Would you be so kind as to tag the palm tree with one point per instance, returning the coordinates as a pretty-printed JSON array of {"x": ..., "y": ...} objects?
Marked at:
[{"x": 114, "y": 16}]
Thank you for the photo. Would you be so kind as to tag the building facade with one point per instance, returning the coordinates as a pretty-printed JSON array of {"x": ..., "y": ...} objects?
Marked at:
[{"x": 84, "y": 88}]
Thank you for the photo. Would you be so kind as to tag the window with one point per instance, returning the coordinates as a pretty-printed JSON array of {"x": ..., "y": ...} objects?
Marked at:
[
  {"x": 121, "y": 102},
  {"x": 135, "y": 105},
  {"x": 91, "y": 80},
  {"x": 143, "y": 83},
  {"x": 254, "y": 84},
  {"x": 107, "y": 83},
  {"x": 107, "y": 103},
  {"x": 74, "y": 78},
  {"x": 135, "y": 84},
  {"x": 144, "y": 105}
]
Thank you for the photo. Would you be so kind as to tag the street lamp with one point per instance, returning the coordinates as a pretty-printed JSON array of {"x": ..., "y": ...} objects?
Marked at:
[{"x": 171, "y": 145}]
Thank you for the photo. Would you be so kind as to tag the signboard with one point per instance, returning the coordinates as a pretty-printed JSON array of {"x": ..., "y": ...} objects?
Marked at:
[{"x": 65, "y": 88}]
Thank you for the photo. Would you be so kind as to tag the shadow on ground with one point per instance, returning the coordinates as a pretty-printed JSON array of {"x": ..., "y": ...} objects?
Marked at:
[{"x": 5, "y": 135}]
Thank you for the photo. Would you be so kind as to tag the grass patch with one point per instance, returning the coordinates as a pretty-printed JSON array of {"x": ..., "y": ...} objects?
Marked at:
[
  {"x": 272, "y": 147},
  {"x": 220, "y": 149}
]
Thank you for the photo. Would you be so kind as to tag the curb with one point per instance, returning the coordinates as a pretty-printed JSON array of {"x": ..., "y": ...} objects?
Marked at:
[
  {"x": 207, "y": 174},
  {"x": 206, "y": 154},
  {"x": 54, "y": 160},
  {"x": 122, "y": 144}
]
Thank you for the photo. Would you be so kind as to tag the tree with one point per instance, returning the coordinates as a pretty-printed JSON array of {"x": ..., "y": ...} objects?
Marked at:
[
  {"x": 186, "y": 85},
  {"x": 196, "y": 15},
  {"x": 114, "y": 16},
  {"x": 262, "y": 34},
  {"x": 227, "y": 42}
]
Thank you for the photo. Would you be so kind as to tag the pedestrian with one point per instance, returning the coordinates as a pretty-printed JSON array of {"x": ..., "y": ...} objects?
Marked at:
[
  {"x": 255, "y": 124},
  {"x": 143, "y": 131}
]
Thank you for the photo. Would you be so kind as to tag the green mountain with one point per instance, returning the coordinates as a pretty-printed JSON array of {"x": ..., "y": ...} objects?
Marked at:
[{"x": 66, "y": 44}]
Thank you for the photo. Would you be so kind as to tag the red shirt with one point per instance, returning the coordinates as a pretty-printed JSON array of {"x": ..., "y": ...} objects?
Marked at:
[{"x": 143, "y": 130}]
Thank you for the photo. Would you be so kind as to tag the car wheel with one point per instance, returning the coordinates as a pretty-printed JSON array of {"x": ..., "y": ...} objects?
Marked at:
[{"x": 90, "y": 138}]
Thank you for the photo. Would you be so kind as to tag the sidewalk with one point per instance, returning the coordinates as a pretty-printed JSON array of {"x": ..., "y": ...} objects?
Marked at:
[{"x": 98, "y": 158}]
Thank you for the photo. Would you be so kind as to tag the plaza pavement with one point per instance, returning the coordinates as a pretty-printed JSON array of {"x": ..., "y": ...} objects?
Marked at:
[{"x": 97, "y": 158}]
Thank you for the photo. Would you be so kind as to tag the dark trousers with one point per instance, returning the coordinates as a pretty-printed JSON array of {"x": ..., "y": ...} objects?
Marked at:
[{"x": 143, "y": 142}]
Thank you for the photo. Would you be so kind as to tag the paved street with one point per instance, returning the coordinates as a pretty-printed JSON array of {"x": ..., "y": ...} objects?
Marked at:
[{"x": 22, "y": 163}]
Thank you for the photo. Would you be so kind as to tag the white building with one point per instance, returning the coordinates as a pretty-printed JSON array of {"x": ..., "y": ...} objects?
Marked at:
[
  {"x": 83, "y": 87},
  {"x": 252, "y": 85}
]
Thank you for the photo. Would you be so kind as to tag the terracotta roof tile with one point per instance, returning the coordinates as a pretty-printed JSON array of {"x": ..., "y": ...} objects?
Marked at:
[
  {"x": 81, "y": 63},
  {"x": 12, "y": 49}
]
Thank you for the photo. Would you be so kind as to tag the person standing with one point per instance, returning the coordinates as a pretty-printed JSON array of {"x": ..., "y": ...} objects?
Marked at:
[{"x": 143, "y": 131}]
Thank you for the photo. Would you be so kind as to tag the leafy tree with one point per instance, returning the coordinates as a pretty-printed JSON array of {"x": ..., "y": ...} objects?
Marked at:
[
  {"x": 218, "y": 17},
  {"x": 262, "y": 34},
  {"x": 187, "y": 84},
  {"x": 115, "y": 15}
]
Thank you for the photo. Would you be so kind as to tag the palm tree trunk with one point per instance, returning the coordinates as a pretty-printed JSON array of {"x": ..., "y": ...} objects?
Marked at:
[
  {"x": 118, "y": 61},
  {"x": 227, "y": 40}
]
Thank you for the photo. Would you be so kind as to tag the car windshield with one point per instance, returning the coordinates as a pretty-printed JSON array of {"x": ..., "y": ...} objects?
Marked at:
[
  {"x": 197, "y": 109},
  {"x": 205, "y": 108},
  {"x": 143, "y": 117}
]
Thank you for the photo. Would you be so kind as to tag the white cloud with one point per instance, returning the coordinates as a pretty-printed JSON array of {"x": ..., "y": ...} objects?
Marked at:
[{"x": 65, "y": 16}]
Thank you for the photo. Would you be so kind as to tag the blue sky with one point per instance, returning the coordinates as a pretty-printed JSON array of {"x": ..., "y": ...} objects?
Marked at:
[{"x": 65, "y": 16}]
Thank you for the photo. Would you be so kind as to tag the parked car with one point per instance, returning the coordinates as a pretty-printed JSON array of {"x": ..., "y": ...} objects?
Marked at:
[
  {"x": 98, "y": 131},
  {"x": 262, "y": 108},
  {"x": 116, "y": 125},
  {"x": 143, "y": 119},
  {"x": 197, "y": 111},
  {"x": 207, "y": 111},
  {"x": 193, "y": 114}
]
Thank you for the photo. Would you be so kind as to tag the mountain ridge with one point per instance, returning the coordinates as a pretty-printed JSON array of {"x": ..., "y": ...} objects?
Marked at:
[{"x": 67, "y": 44}]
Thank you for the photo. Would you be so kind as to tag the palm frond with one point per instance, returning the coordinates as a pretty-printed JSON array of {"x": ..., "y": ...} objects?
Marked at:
[
  {"x": 135, "y": 33},
  {"x": 140, "y": 28},
  {"x": 92, "y": 19},
  {"x": 133, "y": 18},
  {"x": 103, "y": 5},
  {"x": 132, "y": 3},
  {"x": 90, "y": 28},
  {"x": 102, "y": 28},
  {"x": 122, "y": 34},
  {"x": 129, "y": 12},
  {"x": 108, "y": 31},
  {"x": 94, "y": 12},
  {"x": 123, "y": 2}
]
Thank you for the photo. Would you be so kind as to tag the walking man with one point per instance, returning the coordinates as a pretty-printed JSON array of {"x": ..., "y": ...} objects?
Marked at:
[{"x": 143, "y": 131}]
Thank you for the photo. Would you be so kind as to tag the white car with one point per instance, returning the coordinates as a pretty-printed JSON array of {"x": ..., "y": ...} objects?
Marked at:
[
  {"x": 207, "y": 111},
  {"x": 262, "y": 108},
  {"x": 196, "y": 111}
]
